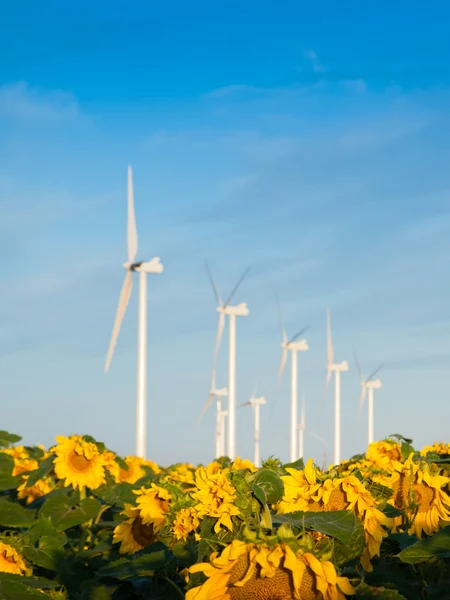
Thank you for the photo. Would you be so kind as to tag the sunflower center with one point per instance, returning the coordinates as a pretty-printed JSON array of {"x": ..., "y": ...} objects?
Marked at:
[
  {"x": 142, "y": 534},
  {"x": 424, "y": 497},
  {"x": 9, "y": 559},
  {"x": 79, "y": 462}
]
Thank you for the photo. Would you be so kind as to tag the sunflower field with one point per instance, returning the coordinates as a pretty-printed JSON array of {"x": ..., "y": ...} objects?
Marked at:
[{"x": 79, "y": 522}]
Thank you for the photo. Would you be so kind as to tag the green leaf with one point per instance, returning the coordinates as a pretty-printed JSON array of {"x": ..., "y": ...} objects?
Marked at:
[
  {"x": 156, "y": 556},
  {"x": 13, "y": 590},
  {"x": 66, "y": 513},
  {"x": 100, "y": 445},
  {"x": 436, "y": 546},
  {"x": 13, "y": 514},
  {"x": 44, "y": 469},
  {"x": 116, "y": 494},
  {"x": 391, "y": 511},
  {"x": 7, "y": 481},
  {"x": 271, "y": 483},
  {"x": 299, "y": 465},
  {"x": 367, "y": 592},
  {"x": 49, "y": 553},
  {"x": 6, "y": 439},
  {"x": 379, "y": 492},
  {"x": 342, "y": 525},
  {"x": 32, "y": 582},
  {"x": 259, "y": 493},
  {"x": 44, "y": 528},
  {"x": 400, "y": 437}
]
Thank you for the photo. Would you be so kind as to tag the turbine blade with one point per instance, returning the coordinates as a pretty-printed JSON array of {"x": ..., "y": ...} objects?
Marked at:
[
  {"x": 327, "y": 384},
  {"x": 234, "y": 290},
  {"x": 318, "y": 437},
  {"x": 213, "y": 285},
  {"x": 282, "y": 365},
  {"x": 297, "y": 335},
  {"x": 220, "y": 328},
  {"x": 131, "y": 226},
  {"x": 358, "y": 366},
  {"x": 280, "y": 316},
  {"x": 254, "y": 389},
  {"x": 124, "y": 298},
  {"x": 245, "y": 404},
  {"x": 377, "y": 370},
  {"x": 361, "y": 399},
  {"x": 206, "y": 406},
  {"x": 330, "y": 353}
]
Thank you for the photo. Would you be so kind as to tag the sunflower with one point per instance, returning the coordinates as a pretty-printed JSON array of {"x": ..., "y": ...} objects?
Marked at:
[
  {"x": 132, "y": 532},
  {"x": 10, "y": 560},
  {"x": 436, "y": 448},
  {"x": 183, "y": 473},
  {"x": 305, "y": 492},
  {"x": 240, "y": 463},
  {"x": 383, "y": 454},
  {"x": 17, "y": 452},
  {"x": 186, "y": 520},
  {"x": 251, "y": 571},
  {"x": 39, "y": 489},
  {"x": 152, "y": 465},
  {"x": 420, "y": 494},
  {"x": 134, "y": 471},
  {"x": 111, "y": 464},
  {"x": 153, "y": 505},
  {"x": 79, "y": 462},
  {"x": 215, "y": 496}
]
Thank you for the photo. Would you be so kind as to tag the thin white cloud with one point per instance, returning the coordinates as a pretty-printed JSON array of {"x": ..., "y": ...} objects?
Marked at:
[
  {"x": 314, "y": 61},
  {"x": 23, "y": 102},
  {"x": 231, "y": 90}
]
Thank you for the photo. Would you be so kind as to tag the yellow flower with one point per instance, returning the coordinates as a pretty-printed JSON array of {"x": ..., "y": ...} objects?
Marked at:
[
  {"x": 79, "y": 462},
  {"x": 17, "y": 452},
  {"x": 257, "y": 572},
  {"x": 419, "y": 493},
  {"x": 134, "y": 471},
  {"x": 111, "y": 464},
  {"x": 132, "y": 532},
  {"x": 436, "y": 448},
  {"x": 153, "y": 466},
  {"x": 303, "y": 491},
  {"x": 182, "y": 474},
  {"x": 153, "y": 504},
  {"x": 22, "y": 460},
  {"x": 215, "y": 496},
  {"x": 383, "y": 454},
  {"x": 240, "y": 463},
  {"x": 10, "y": 560},
  {"x": 39, "y": 489},
  {"x": 185, "y": 521}
]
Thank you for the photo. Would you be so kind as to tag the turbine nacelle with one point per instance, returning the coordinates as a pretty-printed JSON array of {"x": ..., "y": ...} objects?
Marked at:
[
  {"x": 258, "y": 401},
  {"x": 342, "y": 366},
  {"x": 219, "y": 392},
  {"x": 151, "y": 266},
  {"x": 240, "y": 310},
  {"x": 298, "y": 346},
  {"x": 374, "y": 384}
]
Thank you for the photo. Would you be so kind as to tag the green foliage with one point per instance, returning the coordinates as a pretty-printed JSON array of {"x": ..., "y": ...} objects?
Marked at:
[
  {"x": 271, "y": 484},
  {"x": 66, "y": 512},
  {"x": 7, "y": 481},
  {"x": 13, "y": 514},
  {"x": 8, "y": 439},
  {"x": 434, "y": 547},
  {"x": 45, "y": 468}
]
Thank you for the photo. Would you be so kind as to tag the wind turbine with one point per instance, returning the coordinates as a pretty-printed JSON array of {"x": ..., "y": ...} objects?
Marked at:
[
  {"x": 337, "y": 369},
  {"x": 368, "y": 386},
  {"x": 225, "y": 309},
  {"x": 256, "y": 404},
  {"x": 143, "y": 268},
  {"x": 219, "y": 435},
  {"x": 302, "y": 428},
  {"x": 292, "y": 345}
]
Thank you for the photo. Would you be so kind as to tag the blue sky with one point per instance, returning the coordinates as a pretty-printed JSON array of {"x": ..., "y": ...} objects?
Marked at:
[{"x": 309, "y": 141}]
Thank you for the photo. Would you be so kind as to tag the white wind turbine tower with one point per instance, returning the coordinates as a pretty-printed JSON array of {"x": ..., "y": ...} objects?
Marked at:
[
  {"x": 225, "y": 309},
  {"x": 143, "y": 268},
  {"x": 256, "y": 403},
  {"x": 368, "y": 386},
  {"x": 301, "y": 431},
  {"x": 219, "y": 432},
  {"x": 292, "y": 345},
  {"x": 337, "y": 369}
]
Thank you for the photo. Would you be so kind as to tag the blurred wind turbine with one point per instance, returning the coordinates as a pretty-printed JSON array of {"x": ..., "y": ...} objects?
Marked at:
[
  {"x": 292, "y": 345},
  {"x": 368, "y": 386},
  {"x": 256, "y": 404},
  {"x": 225, "y": 309},
  {"x": 143, "y": 268},
  {"x": 302, "y": 428},
  {"x": 219, "y": 435},
  {"x": 337, "y": 368}
]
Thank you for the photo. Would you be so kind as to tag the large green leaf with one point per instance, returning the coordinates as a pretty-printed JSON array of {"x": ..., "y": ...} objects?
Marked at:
[
  {"x": 49, "y": 553},
  {"x": 7, "y": 439},
  {"x": 116, "y": 494},
  {"x": 44, "y": 527},
  {"x": 13, "y": 590},
  {"x": 156, "y": 556},
  {"x": 13, "y": 514},
  {"x": 44, "y": 469},
  {"x": 436, "y": 546},
  {"x": 271, "y": 484},
  {"x": 367, "y": 592},
  {"x": 342, "y": 525},
  {"x": 32, "y": 582},
  {"x": 65, "y": 512}
]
